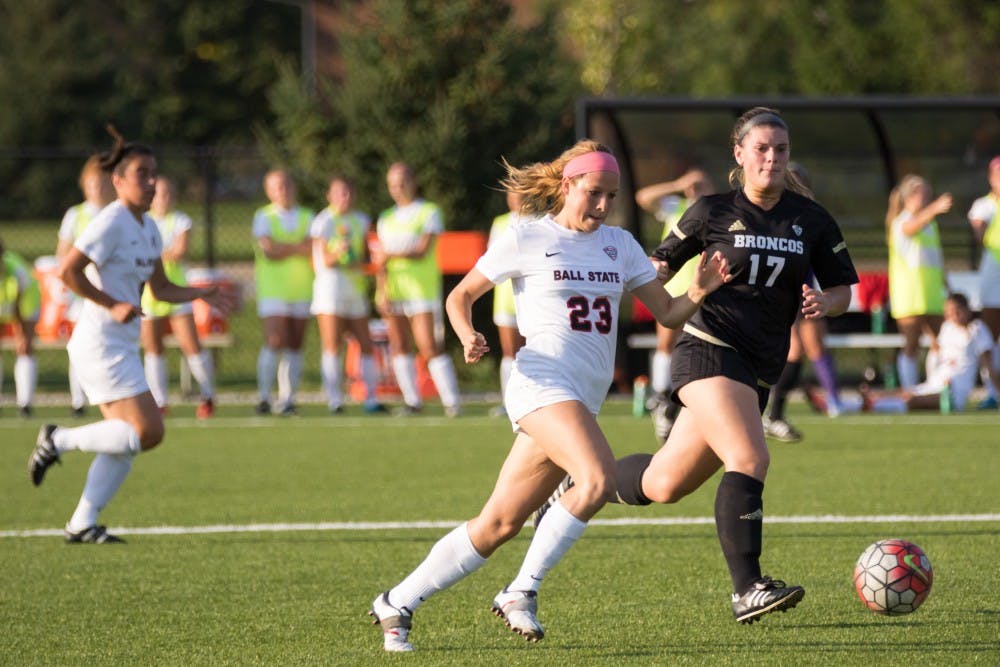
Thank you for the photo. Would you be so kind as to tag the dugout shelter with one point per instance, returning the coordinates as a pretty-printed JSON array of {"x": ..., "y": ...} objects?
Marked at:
[{"x": 855, "y": 149}]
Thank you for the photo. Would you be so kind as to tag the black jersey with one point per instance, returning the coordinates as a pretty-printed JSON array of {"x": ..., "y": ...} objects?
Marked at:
[{"x": 770, "y": 254}]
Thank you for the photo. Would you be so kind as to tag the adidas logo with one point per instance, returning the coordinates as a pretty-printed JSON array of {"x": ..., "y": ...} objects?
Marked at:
[
  {"x": 756, "y": 515},
  {"x": 737, "y": 226}
]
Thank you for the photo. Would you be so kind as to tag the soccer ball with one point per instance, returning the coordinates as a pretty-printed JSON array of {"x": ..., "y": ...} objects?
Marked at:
[{"x": 893, "y": 577}]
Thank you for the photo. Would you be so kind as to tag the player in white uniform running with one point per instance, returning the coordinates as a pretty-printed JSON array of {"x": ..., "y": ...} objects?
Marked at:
[
  {"x": 108, "y": 265},
  {"x": 340, "y": 293},
  {"x": 569, "y": 272}
]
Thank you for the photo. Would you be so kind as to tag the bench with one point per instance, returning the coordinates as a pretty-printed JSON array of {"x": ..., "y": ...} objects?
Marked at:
[{"x": 211, "y": 341}]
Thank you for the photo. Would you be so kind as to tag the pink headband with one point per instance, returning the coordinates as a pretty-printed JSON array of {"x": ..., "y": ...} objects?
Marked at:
[
  {"x": 995, "y": 163},
  {"x": 588, "y": 162}
]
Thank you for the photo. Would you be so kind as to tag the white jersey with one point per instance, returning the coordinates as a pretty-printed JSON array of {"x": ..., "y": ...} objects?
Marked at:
[
  {"x": 568, "y": 287},
  {"x": 123, "y": 253},
  {"x": 69, "y": 228},
  {"x": 959, "y": 351},
  {"x": 172, "y": 226}
]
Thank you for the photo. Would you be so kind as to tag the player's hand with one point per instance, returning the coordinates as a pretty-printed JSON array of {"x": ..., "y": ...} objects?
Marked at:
[
  {"x": 943, "y": 203},
  {"x": 710, "y": 274},
  {"x": 815, "y": 304},
  {"x": 224, "y": 298},
  {"x": 663, "y": 272},
  {"x": 124, "y": 312},
  {"x": 474, "y": 345}
]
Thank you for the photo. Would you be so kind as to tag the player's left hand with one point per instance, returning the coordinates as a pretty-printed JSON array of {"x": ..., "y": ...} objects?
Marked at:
[
  {"x": 711, "y": 273},
  {"x": 474, "y": 345},
  {"x": 815, "y": 303},
  {"x": 223, "y": 298}
]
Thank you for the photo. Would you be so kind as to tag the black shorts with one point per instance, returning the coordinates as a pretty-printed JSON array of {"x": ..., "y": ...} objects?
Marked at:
[{"x": 695, "y": 359}]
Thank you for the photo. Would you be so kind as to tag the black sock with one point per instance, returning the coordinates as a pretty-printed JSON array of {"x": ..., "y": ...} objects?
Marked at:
[
  {"x": 787, "y": 381},
  {"x": 739, "y": 520},
  {"x": 629, "y": 479}
]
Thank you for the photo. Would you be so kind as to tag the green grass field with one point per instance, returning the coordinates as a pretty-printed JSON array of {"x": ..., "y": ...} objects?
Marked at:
[{"x": 264, "y": 540}]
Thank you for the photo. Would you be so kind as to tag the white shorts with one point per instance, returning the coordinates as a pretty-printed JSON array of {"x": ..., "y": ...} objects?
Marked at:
[
  {"x": 989, "y": 281},
  {"x": 339, "y": 298},
  {"x": 414, "y": 307},
  {"x": 508, "y": 320},
  {"x": 281, "y": 308},
  {"x": 524, "y": 395},
  {"x": 108, "y": 373}
]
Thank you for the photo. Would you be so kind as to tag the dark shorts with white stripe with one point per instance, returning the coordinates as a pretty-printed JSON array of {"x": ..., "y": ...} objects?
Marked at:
[{"x": 696, "y": 359}]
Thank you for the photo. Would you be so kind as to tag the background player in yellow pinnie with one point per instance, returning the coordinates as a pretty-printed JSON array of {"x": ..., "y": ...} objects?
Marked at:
[{"x": 20, "y": 301}]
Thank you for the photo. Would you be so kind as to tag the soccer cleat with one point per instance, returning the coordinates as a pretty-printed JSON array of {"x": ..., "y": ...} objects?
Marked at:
[
  {"x": 79, "y": 412},
  {"x": 519, "y": 610},
  {"x": 395, "y": 622},
  {"x": 763, "y": 597},
  {"x": 452, "y": 411},
  {"x": 289, "y": 410},
  {"x": 815, "y": 398},
  {"x": 375, "y": 409},
  {"x": 662, "y": 421},
  {"x": 263, "y": 408},
  {"x": 43, "y": 455},
  {"x": 781, "y": 430},
  {"x": 335, "y": 409},
  {"x": 92, "y": 535},
  {"x": 25, "y": 411},
  {"x": 565, "y": 485},
  {"x": 205, "y": 409},
  {"x": 407, "y": 410}
]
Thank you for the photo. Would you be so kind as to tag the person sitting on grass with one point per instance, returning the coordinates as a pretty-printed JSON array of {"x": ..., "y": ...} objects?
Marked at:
[{"x": 964, "y": 347}]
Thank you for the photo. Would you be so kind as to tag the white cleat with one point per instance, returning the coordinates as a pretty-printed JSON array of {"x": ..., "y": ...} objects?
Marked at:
[
  {"x": 396, "y": 624},
  {"x": 519, "y": 611}
]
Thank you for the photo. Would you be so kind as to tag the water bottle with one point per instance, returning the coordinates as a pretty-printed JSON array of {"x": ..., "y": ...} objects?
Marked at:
[
  {"x": 889, "y": 375},
  {"x": 639, "y": 396},
  {"x": 945, "y": 399},
  {"x": 878, "y": 320}
]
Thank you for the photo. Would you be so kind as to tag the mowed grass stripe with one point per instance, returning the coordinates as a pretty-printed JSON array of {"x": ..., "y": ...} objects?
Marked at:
[{"x": 416, "y": 525}]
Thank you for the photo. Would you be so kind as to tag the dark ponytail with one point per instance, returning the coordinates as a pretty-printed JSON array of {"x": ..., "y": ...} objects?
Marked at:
[{"x": 122, "y": 152}]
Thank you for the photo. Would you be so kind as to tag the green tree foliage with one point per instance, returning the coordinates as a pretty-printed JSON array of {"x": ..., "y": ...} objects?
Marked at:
[
  {"x": 449, "y": 86},
  {"x": 168, "y": 72},
  {"x": 801, "y": 47}
]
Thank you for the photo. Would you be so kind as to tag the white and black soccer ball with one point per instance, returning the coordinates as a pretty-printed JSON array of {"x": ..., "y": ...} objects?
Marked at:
[{"x": 893, "y": 577}]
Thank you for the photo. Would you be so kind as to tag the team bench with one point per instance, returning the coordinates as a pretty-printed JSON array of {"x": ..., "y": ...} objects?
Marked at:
[{"x": 213, "y": 341}]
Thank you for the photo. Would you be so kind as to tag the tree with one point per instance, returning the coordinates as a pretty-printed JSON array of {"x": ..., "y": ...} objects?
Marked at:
[{"x": 449, "y": 86}]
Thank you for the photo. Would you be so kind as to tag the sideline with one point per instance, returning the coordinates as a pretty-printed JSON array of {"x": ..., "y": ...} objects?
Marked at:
[{"x": 414, "y": 525}]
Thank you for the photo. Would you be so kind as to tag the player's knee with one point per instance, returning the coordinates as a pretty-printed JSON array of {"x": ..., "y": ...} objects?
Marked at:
[
  {"x": 596, "y": 490},
  {"x": 502, "y": 528},
  {"x": 151, "y": 434}
]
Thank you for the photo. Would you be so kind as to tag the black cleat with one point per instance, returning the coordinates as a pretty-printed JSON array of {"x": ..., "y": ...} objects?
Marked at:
[
  {"x": 93, "y": 535},
  {"x": 43, "y": 455},
  {"x": 79, "y": 412},
  {"x": 25, "y": 411},
  {"x": 565, "y": 485},
  {"x": 263, "y": 408},
  {"x": 763, "y": 597},
  {"x": 289, "y": 410}
]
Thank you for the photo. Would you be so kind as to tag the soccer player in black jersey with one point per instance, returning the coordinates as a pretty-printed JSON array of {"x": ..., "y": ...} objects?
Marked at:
[{"x": 734, "y": 347}]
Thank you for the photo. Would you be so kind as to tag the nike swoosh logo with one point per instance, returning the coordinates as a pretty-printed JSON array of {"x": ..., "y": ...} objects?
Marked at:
[
  {"x": 914, "y": 565},
  {"x": 553, "y": 254}
]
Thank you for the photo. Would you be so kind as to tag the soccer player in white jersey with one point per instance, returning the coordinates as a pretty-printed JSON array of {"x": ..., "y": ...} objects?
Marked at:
[
  {"x": 95, "y": 184},
  {"x": 569, "y": 271},
  {"x": 108, "y": 265}
]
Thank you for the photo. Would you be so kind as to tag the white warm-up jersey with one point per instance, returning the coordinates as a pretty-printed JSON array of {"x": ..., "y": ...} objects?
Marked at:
[
  {"x": 959, "y": 351},
  {"x": 123, "y": 253},
  {"x": 568, "y": 287}
]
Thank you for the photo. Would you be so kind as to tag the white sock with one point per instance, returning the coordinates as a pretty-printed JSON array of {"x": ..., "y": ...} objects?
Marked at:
[
  {"x": 77, "y": 398},
  {"x": 557, "y": 532},
  {"x": 908, "y": 371},
  {"x": 506, "y": 366},
  {"x": 450, "y": 560},
  {"x": 203, "y": 371},
  {"x": 329, "y": 367},
  {"x": 156, "y": 376},
  {"x": 105, "y": 477},
  {"x": 289, "y": 375},
  {"x": 442, "y": 371},
  {"x": 369, "y": 376},
  {"x": 659, "y": 372},
  {"x": 889, "y": 404},
  {"x": 404, "y": 366},
  {"x": 267, "y": 368},
  {"x": 111, "y": 436},
  {"x": 25, "y": 379}
]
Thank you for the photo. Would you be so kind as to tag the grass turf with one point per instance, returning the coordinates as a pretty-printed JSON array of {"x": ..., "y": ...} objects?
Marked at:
[{"x": 644, "y": 594}]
